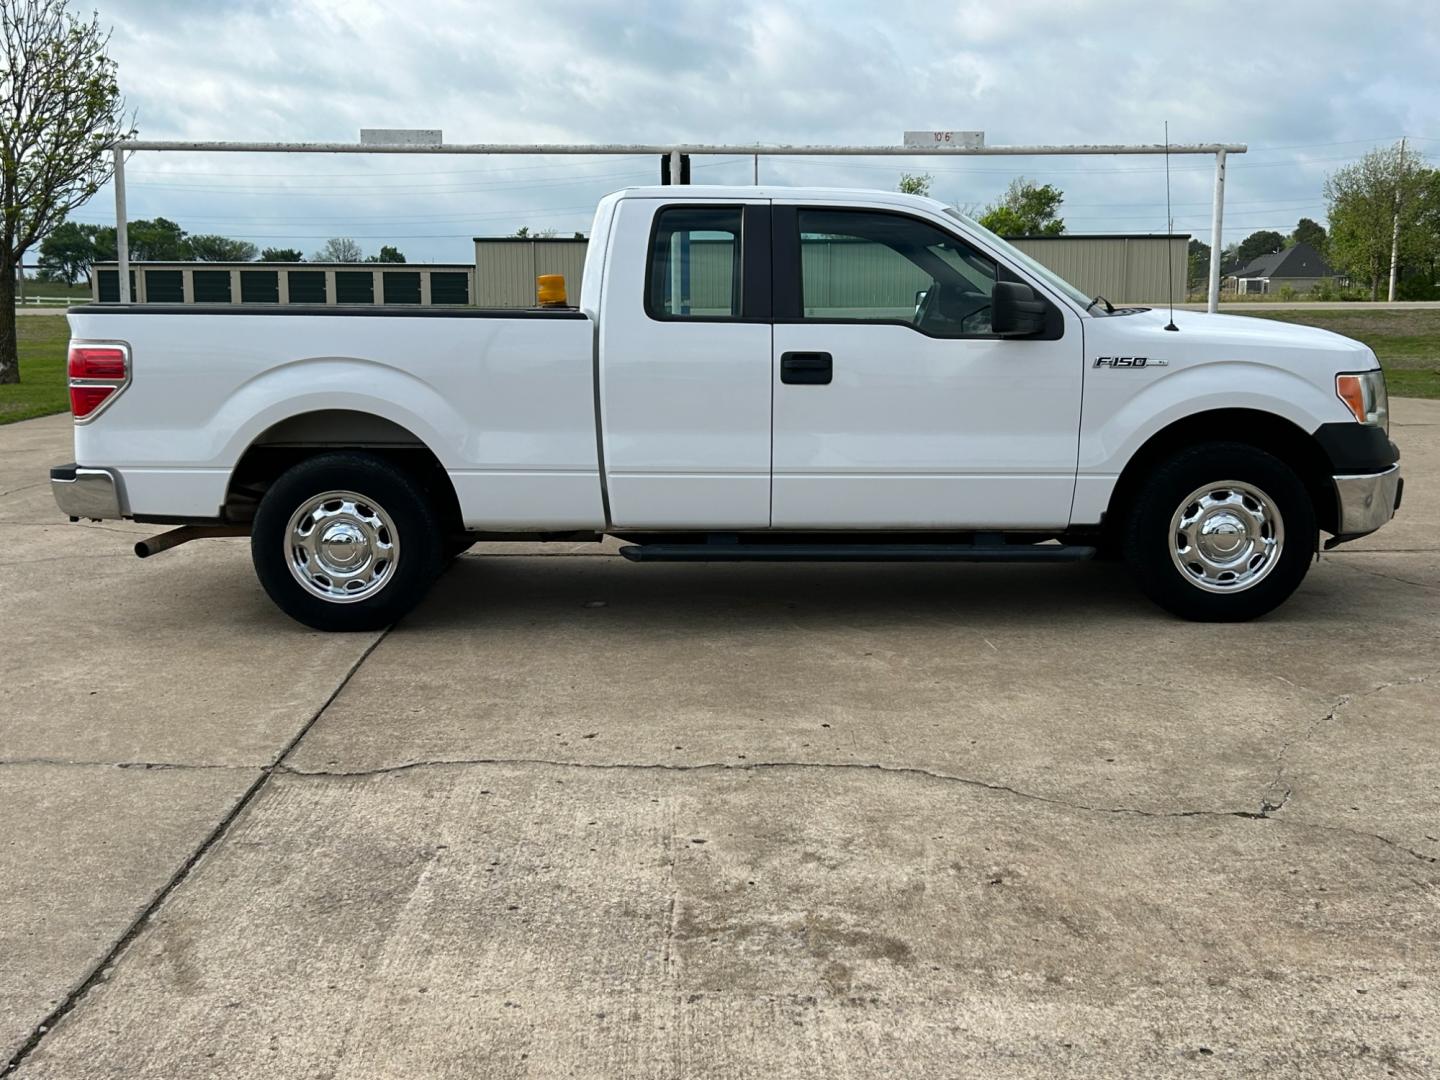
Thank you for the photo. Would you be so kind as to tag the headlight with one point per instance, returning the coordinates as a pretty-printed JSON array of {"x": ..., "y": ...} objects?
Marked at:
[{"x": 1363, "y": 393}]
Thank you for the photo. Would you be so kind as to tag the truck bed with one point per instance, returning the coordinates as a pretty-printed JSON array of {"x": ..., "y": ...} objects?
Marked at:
[{"x": 505, "y": 400}]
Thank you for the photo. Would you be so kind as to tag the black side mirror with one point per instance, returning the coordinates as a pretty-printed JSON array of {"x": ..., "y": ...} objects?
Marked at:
[{"x": 1015, "y": 310}]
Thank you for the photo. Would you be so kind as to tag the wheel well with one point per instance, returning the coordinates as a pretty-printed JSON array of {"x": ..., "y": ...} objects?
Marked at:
[
  {"x": 1262, "y": 430},
  {"x": 292, "y": 440}
]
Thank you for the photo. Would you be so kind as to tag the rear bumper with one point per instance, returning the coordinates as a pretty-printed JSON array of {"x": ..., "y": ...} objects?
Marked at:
[
  {"x": 1367, "y": 501},
  {"x": 86, "y": 493}
]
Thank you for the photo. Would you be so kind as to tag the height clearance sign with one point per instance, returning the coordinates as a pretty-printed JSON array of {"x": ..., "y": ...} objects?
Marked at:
[{"x": 969, "y": 140}]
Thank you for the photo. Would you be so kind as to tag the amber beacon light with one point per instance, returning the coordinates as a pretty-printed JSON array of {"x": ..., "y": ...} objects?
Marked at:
[{"x": 550, "y": 290}]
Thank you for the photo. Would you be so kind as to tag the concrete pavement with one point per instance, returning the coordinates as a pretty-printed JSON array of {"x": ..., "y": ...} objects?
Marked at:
[{"x": 581, "y": 817}]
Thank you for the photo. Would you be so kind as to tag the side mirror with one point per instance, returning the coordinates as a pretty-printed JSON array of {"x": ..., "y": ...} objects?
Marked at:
[{"x": 1015, "y": 310}]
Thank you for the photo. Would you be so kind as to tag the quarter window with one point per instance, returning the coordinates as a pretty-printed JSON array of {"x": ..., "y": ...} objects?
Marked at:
[
  {"x": 694, "y": 268},
  {"x": 859, "y": 266}
]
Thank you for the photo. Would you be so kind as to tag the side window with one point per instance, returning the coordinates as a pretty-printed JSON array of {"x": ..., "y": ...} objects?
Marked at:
[
  {"x": 694, "y": 267},
  {"x": 861, "y": 266}
]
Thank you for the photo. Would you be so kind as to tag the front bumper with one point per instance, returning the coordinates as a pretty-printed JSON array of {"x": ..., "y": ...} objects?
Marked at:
[
  {"x": 1367, "y": 501},
  {"x": 86, "y": 493}
]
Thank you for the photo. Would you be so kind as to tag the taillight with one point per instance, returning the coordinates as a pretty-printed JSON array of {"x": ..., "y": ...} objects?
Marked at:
[{"x": 97, "y": 373}]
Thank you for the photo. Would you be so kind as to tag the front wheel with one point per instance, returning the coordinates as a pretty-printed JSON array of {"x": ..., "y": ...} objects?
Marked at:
[
  {"x": 1221, "y": 532},
  {"x": 346, "y": 541}
]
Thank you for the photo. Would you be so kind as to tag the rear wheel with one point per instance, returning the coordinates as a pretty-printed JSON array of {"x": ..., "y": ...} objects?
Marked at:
[
  {"x": 1221, "y": 532},
  {"x": 346, "y": 541}
]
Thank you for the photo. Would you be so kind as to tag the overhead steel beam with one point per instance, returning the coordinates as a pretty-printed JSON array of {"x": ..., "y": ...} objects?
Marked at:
[
  {"x": 753, "y": 150},
  {"x": 746, "y": 149}
]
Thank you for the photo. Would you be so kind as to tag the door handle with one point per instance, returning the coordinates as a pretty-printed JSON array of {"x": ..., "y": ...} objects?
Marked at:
[{"x": 806, "y": 368}]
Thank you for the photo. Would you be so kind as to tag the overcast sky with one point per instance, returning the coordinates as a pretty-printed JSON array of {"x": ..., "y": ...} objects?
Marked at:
[{"x": 1307, "y": 85}]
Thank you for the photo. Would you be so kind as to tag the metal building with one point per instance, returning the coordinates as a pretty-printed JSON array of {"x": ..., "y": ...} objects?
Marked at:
[{"x": 1122, "y": 268}]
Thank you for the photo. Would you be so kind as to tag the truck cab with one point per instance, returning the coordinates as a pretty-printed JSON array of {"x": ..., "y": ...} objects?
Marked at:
[{"x": 750, "y": 373}]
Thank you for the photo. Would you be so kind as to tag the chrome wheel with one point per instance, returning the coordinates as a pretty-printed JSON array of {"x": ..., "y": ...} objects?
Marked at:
[
  {"x": 1226, "y": 536},
  {"x": 342, "y": 547}
]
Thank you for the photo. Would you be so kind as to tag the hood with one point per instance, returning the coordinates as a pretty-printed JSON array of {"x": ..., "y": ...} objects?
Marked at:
[{"x": 1199, "y": 327}]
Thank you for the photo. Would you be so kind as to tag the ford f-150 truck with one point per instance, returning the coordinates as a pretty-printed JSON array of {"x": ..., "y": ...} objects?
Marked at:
[{"x": 750, "y": 373}]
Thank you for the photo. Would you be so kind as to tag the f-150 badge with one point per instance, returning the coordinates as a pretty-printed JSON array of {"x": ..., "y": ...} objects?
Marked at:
[{"x": 1130, "y": 361}]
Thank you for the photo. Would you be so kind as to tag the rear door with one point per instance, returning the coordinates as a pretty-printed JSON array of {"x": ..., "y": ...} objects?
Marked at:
[
  {"x": 895, "y": 405},
  {"x": 685, "y": 359}
]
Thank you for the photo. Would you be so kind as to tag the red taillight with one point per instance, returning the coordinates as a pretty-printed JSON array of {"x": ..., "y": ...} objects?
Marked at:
[
  {"x": 86, "y": 399},
  {"x": 97, "y": 373},
  {"x": 97, "y": 362}
]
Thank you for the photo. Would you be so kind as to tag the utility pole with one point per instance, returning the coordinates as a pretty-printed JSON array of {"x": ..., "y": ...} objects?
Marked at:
[{"x": 1395, "y": 224}]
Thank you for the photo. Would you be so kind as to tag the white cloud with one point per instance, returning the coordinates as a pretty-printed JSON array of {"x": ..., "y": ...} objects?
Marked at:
[{"x": 1326, "y": 78}]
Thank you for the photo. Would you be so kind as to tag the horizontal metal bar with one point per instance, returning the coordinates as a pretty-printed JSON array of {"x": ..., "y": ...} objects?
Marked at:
[{"x": 683, "y": 148}]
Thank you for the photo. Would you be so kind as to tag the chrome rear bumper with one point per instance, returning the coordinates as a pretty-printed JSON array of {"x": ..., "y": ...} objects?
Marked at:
[
  {"x": 86, "y": 493},
  {"x": 1367, "y": 501}
]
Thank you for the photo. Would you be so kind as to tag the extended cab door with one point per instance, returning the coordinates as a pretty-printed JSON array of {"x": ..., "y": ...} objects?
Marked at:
[
  {"x": 684, "y": 364},
  {"x": 895, "y": 406}
]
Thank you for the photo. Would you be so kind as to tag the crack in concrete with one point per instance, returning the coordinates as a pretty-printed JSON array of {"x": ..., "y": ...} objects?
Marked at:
[
  {"x": 1390, "y": 577},
  {"x": 1265, "y": 813},
  {"x": 96, "y": 974},
  {"x": 1269, "y": 803},
  {"x": 143, "y": 765},
  {"x": 24, "y": 487}
]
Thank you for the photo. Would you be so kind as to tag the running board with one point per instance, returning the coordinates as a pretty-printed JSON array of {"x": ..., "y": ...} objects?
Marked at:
[{"x": 857, "y": 552}]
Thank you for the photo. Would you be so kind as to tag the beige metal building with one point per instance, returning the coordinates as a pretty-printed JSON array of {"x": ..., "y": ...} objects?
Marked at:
[{"x": 1122, "y": 268}]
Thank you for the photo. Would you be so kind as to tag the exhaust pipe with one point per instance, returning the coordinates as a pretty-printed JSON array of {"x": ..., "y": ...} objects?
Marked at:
[{"x": 154, "y": 545}]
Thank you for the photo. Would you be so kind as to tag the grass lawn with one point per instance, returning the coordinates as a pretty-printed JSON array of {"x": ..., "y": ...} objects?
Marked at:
[
  {"x": 1407, "y": 342},
  {"x": 42, "y": 388}
]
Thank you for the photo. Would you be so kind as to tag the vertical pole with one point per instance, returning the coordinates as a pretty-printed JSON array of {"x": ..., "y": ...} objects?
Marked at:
[
  {"x": 755, "y": 174},
  {"x": 1217, "y": 217},
  {"x": 122, "y": 232},
  {"x": 674, "y": 166},
  {"x": 1395, "y": 223}
]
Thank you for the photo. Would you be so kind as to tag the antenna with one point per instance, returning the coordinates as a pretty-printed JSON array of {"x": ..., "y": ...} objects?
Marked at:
[{"x": 1169, "y": 234}]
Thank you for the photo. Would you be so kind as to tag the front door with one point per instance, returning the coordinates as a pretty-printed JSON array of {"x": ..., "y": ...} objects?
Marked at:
[{"x": 895, "y": 406}]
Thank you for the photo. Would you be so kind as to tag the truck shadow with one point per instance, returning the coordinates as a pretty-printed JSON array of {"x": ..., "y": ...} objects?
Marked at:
[{"x": 699, "y": 597}]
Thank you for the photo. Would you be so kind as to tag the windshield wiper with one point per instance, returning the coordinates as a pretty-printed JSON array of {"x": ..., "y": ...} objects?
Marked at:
[{"x": 1109, "y": 307}]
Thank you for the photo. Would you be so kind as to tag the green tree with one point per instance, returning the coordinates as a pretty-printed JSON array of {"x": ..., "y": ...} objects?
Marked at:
[
  {"x": 1310, "y": 232},
  {"x": 160, "y": 240},
  {"x": 1366, "y": 202},
  {"x": 218, "y": 249},
  {"x": 387, "y": 254},
  {"x": 1026, "y": 209},
  {"x": 1259, "y": 243},
  {"x": 522, "y": 233},
  {"x": 339, "y": 249},
  {"x": 60, "y": 110},
  {"x": 272, "y": 254},
  {"x": 1198, "y": 264},
  {"x": 66, "y": 254},
  {"x": 915, "y": 183}
]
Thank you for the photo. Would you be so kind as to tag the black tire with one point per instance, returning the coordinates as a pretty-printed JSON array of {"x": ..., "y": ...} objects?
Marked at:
[
  {"x": 1149, "y": 540},
  {"x": 399, "y": 497}
]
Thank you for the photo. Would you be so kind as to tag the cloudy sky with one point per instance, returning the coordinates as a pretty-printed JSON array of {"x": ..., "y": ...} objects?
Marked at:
[{"x": 1308, "y": 86}]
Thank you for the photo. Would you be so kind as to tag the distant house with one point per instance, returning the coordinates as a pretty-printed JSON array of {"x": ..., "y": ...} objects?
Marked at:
[{"x": 1301, "y": 267}]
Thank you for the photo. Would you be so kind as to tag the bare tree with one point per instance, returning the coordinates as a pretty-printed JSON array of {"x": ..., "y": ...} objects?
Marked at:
[
  {"x": 339, "y": 249},
  {"x": 60, "y": 110}
]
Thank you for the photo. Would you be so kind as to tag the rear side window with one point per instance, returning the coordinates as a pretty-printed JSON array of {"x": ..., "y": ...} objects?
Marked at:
[{"x": 694, "y": 266}]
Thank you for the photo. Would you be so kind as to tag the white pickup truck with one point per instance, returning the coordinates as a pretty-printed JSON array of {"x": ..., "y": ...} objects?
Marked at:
[{"x": 750, "y": 373}]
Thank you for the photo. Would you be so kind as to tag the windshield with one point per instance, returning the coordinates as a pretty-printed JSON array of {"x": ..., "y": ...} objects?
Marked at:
[{"x": 1014, "y": 254}]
